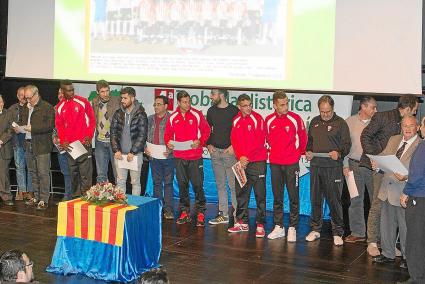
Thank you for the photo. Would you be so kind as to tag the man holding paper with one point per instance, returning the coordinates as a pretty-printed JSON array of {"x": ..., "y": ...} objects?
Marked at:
[
  {"x": 75, "y": 124},
  {"x": 362, "y": 176},
  {"x": 188, "y": 125},
  {"x": 39, "y": 117},
  {"x": 248, "y": 137},
  {"x": 392, "y": 214},
  {"x": 328, "y": 143},
  {"x": 162, "y": 166},
  {"x": 129, "y": 129}
]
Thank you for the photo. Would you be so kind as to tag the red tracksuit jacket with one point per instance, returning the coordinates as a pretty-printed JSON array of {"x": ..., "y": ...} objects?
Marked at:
[
  {"x": 74, "y": 119},
  {"x": 248, "y": 137},
  {"x": 287, "y": 138},
  {"x": 191, "y": 126}
]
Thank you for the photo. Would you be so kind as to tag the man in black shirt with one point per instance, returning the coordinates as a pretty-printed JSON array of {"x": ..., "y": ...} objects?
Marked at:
[
  {"x": 220, "y": 117},
  {"x": 328, "y": 143}
]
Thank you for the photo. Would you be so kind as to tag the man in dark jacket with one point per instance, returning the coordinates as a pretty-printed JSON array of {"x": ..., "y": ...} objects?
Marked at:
[
  {"x": 6, "y": 153},
  {"x": 129, "y": 129},
  {"x": 39, "y": 117},
  {"x": 328, "y": 143},
  {"x": 374, "y": 139},
  {"x": 104, "y": 106}
]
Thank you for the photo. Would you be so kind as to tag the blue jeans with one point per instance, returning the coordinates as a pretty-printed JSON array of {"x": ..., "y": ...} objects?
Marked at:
[
  {"x": 103, "y": 155},
  {"x": 64, "y": 166},
  {"x": 162, "y": 177},
  {"x": 134, "y": 176},
  {"x": 23, "y": 177}
]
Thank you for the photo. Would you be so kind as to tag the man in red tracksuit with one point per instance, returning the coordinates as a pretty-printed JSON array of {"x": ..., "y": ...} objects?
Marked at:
[
  {"x": 75, "y": 121},
  {"x": 287, "y": 139},
  {"x": 188, "y": 124},
  {"x": 248, "y": 137}
]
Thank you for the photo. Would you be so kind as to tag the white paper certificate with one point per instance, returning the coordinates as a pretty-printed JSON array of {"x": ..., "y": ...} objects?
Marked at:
[
  {"x": 351, "y": 184},
  {"x": 389, "y": 164},
  {"x": 156, "y": 151},
  {"x": 77, "y": 149},
  {"x": 181, "y": 146},
  {"x": 124, "y": 164}
]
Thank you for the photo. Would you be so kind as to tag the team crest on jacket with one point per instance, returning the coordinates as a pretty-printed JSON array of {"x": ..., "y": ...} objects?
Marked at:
[
  {"x": 249, "y": 127},
  {"x": 287, "y": 128},
  {"x": 76, "y": 109},
  {"x": 329, "y": 128},
  {"x": 190, "y": 121}
]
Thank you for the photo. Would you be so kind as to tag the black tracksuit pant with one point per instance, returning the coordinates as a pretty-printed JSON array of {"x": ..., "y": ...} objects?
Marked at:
[
  {"x": 415, "y": 238},
  {"x": 193, "y": 171},
  {"x": 326, "y": 183},
  {"x": 256, "y": 178},
  {"x": 285, "y": 175}
]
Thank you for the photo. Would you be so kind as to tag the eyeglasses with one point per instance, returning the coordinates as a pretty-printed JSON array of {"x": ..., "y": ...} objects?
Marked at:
[
  {"x": 30, "y": 98},
  {"x": 158, "y": 104},
  {"x": 246, "y": 106},
  {"x": 30, "y": 264}
]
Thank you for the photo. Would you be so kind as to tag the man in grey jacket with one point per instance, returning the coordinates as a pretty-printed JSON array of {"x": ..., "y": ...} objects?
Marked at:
[
  {"x": 104, "y": 106},
  {"x": 162, "y": 169}
]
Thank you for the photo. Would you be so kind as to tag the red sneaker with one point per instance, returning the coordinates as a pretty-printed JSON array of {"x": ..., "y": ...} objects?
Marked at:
[
  {"x": 183, "y": 219},
  {"x": 239, "y": 227},
  {"x": 200, "y": 220},
  {"x": 260, "y": 232}
]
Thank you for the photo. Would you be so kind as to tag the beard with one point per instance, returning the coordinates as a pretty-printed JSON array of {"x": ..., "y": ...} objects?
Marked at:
[{"x": 216, "y": 102}]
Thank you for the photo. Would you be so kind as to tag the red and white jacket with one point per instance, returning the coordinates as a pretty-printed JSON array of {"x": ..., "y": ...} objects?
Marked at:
[
  {"x": 74, "y": 119},
  {"x": 191, "y": 126},
  {"x": 287, "y": 138},
  {"x": 248, "y": 137}
]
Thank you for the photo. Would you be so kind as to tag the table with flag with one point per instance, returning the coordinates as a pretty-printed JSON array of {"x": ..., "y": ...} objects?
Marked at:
[{"x": 113, "y": 242}]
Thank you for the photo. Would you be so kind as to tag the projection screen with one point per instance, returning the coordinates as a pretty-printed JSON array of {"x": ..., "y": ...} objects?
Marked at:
[{"x": 318, "y": 45}]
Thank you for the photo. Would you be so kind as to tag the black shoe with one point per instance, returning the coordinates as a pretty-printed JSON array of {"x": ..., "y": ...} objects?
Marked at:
[
  {"x": 382, "y": 259},
  {"x": 403, "y": 264}
]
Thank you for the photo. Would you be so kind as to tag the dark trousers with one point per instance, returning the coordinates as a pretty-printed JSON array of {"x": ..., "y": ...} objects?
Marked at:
[
  {"x": 81, "y": 171},
  {"x": 193, "y": 171},
  {"x": 162, "y": 177},
  {"x": 415, "y": 240},
  {"x": 285, "y": 175},
  {"x": 326, "y": 183},
  {"x": 256, "y": 178},
  {"x": 4, "y": 180}
]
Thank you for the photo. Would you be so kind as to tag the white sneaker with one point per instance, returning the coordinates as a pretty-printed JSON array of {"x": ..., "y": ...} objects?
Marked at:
[
  {"x": 292, "y": 235},
  {"x": 277, "y": 232},
  {"x": 338, "y": 241},
  {"x": 312, "y": 236}
]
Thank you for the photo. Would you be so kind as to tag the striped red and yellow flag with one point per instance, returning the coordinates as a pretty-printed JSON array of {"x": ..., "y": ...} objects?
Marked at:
[{"x": 80, "y": 219}]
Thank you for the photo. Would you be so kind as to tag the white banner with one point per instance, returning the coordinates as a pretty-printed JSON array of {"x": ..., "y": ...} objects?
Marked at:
[{"x": 301, "y": 103}]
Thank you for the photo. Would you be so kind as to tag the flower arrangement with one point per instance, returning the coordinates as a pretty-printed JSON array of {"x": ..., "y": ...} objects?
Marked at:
[{"x": 103, "y": 193}]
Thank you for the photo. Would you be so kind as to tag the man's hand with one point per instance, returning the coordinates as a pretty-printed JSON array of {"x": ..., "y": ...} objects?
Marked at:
[
  {"x": 118, "y": 155},
  {"x": 166, "y": 153},
  {"x": 309, "y": 155},
  {"x": 130, "y": 157},
  {"x": 400, "y": 177},
  {"x": 403, "y": 200},
  {"x": 16, "y": 129},
  {"x": 87, "y": 141},
  {"x": 147, "y": 152},
  {"x": 195, "y": 144},
  {"x": 170, "y": 146},
  {"x": 211, "y": 149},
  {"x": 244, "y": 161},
  {"x": 346, "y": 170},
  {"x": 65, "y": 146},
  {"x": 334, "y": 155},
  {"x": 374, "y": 164},
  {"x": 229, "y": 150}
]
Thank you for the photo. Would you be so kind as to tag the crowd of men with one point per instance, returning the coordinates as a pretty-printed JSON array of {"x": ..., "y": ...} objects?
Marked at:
[{"x": 335, "y": 148}]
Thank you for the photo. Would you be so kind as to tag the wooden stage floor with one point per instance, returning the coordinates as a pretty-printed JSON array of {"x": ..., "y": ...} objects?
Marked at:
[{"x": 211, "y": 255}]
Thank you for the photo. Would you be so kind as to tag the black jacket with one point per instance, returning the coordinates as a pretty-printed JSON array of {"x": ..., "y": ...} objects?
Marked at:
[
  {"x": 375, "y": 136},
  {"x": 42, "y": 124},
  {"x": 327, "y": 136},
  {"x": 138, "y": 129}
]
